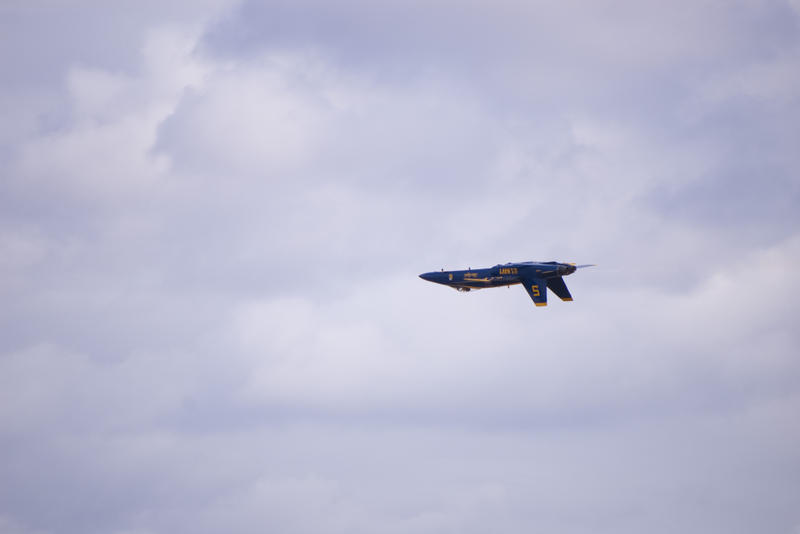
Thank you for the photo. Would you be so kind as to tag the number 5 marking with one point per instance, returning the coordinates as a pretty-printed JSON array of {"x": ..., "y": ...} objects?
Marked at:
[{"x": 535, "y": 290}]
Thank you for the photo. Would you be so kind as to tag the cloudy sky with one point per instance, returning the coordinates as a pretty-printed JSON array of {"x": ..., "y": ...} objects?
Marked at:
[{"x": 212, "y": 218}]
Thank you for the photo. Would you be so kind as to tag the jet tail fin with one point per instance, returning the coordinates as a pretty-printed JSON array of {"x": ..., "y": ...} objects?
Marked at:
[
  {"x": 537, "y": 289},
  {"x": 558, "y": 287}
]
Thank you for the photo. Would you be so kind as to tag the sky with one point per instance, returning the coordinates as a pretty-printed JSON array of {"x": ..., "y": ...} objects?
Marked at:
[{"x": 213, "y": 215}]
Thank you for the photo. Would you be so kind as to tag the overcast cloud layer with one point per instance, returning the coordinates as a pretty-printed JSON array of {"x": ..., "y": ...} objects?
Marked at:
[{"x": 212, "y": 219}]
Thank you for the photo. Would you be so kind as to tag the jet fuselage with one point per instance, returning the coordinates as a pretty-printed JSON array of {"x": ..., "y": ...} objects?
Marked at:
[{"x": 536, "y": 277}]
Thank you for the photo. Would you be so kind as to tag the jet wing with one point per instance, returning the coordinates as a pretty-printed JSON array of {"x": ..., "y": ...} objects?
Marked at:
[
  {"x": 537, "y": 289},
  {"x": 558, "y": 287}
]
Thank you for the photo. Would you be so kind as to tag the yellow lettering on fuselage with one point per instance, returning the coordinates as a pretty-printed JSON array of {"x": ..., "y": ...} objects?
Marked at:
[{"x": 508, "y": 270}]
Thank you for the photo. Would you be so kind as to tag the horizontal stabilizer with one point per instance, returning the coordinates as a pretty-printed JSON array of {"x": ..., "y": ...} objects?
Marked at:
[{"x": 558, "y": 287}]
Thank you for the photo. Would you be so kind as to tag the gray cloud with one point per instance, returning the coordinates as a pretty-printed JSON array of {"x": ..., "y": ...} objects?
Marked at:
[{"x": 212, "y": 220}]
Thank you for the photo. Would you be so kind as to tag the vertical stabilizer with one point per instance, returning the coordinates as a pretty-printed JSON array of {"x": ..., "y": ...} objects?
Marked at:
[
  {"x": 558, "y": 287},
  {"x": 537, "y": 289}
]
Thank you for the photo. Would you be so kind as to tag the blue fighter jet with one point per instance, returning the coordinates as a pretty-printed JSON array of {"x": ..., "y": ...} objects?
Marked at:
[{"x": 535, "y": 277}]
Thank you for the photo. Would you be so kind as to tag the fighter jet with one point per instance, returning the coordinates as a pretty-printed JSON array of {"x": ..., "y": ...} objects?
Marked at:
[{"x": 535, "y": 277}]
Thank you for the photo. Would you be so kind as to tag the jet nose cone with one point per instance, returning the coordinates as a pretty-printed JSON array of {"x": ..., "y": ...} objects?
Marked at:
[{"x": 426, "y": 276}]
